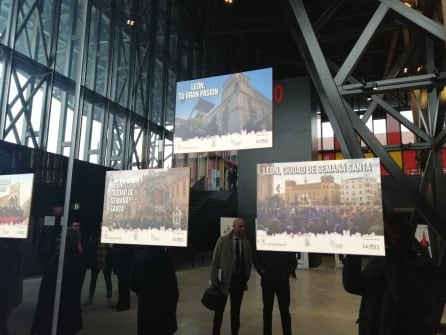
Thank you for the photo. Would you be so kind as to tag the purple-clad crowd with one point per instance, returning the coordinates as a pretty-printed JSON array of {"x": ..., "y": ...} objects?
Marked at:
[{"x": 319, "y": 220}]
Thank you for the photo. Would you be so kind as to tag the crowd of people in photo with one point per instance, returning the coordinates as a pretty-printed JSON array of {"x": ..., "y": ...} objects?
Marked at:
[
  {"x": 395, "y": 298},
  {"x": 165, "y": 220},
  {"x": 320, "y": 220}
]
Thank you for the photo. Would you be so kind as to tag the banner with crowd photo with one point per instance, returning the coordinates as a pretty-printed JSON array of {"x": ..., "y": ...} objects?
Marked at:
[
  {"x": 226, "y": 225},
  {"x": 146, "y": 207},
  {"x": 15, "y": 204},
  {"x": 320, "y": 206},
  {"x": 228, "y": 112}
]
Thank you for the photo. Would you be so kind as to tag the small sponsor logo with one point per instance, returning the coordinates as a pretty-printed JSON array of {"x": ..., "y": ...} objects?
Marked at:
[
  {"x": 335, "y": 245},
  {"x": 371, "y": 246}
]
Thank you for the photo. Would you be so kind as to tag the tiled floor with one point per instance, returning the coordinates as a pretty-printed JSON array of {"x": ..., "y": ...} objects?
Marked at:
[{"x": 319, "y": 305}]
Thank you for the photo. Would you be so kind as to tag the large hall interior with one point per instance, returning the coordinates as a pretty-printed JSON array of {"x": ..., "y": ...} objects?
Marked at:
[{"x": 92, "y": 90}]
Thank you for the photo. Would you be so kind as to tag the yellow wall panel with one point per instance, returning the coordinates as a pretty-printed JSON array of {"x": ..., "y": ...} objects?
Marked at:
[{"x": 397, "y": 157}]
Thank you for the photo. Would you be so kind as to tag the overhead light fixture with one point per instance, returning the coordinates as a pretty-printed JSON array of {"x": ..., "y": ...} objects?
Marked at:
[
  {"x": 375, "y": 87},
  {"x": 229, "y": 2},
  {"x": 406, "y": 69},
  {"x": 130, "y": 22},
  {"x": 419, "y": 68},
  {"x": 408, "y": 4},
  {"x": 369, "y": 99}
]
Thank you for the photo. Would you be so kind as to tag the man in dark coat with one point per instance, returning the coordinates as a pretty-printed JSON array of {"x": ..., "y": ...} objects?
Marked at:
[
  {"x": 230, "y": 271},
  {"x": 70, "y": 317},
  {"x": 154, "y": 280},
  {"x": 10, "y": 280},
  {"x": 275, "y": 269}
]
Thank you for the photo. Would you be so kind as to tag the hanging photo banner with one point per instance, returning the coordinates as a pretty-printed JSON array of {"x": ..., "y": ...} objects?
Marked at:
[
  {"x": 320, "y": 206},
  {"x": 226, "y": 225},
  {"x": 229, "y": 112},
  {"x": 146, "y": 207},
  {"x": 15, "y": 204}
]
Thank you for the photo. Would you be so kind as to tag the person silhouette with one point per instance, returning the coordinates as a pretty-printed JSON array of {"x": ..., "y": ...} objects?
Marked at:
[
  {"x": 11, "y": 280},
  {"x": 154, "y": 281}
]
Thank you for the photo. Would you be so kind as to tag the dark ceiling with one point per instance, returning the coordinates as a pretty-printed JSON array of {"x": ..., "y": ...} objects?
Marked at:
[{"x": 262, "y": 33}]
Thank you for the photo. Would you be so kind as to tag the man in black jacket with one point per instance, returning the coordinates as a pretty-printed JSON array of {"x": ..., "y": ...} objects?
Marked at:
[{"x": 275, "y": 268}]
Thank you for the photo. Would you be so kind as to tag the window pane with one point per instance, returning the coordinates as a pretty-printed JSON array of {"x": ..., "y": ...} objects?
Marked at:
[
  {"x": 406, "y": 135},
  {"x": 379, "y": 129},
  {"x": 327, "y": 136}
]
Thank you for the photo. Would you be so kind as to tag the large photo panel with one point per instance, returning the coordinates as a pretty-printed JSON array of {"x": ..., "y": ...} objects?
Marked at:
[
  {"x": 146, "y": 207},
  {"x": 320, "y": 206},
  {"x": 15, "y": 204},
  {"x": 229, "y": 112}
]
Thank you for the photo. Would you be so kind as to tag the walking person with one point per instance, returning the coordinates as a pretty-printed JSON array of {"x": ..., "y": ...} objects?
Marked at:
[
  {"x": 275, "y": 269},
  {"x": 101, "y": 259},
  {"x": 230, "y": 271}
]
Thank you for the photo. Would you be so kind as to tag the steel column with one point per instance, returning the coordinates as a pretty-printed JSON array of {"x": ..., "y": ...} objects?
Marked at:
[{"x": 325, "y": 85}]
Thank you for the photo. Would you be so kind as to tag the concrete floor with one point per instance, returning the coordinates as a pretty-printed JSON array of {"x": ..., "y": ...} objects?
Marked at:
[{"x": 319, "y": 305}]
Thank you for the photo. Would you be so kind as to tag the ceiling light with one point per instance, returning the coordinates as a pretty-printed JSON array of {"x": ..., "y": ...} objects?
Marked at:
[
  {"x": 130, "y": 22},
  {"x": 375, "y": 87},
  {"x": 406, "y": 69},
  {"x": 228, "y": 2},
  {"x": 408, "y": 4}
]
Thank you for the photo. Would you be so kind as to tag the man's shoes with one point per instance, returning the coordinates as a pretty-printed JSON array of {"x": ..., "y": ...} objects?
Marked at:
[{"x": 122, "y": 308}]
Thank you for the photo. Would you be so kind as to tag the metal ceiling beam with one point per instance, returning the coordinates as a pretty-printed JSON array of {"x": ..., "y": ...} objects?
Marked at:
[
  {"x": 392, "y": 74},
  {"x": 361, "y": 44},
  {"x": 340, "y": 113},
  {"x": 443, "y": 7},
  {"x": 440, "y": 139},
  {"x": 436, "y": 119},
  {"x": 417, "y": 18},
  {"x": 397, "y": 84},
  {"x": 423, "y": 206},
  {"x": 324, "y": 83},
  {"x": 327, "y": 15},
  {"x": 405, "y": 122}
]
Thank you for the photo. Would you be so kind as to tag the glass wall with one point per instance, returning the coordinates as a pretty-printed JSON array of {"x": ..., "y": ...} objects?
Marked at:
[
  {"x": 125, "y": 65},
  {"x": 85, "y": 86}
]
